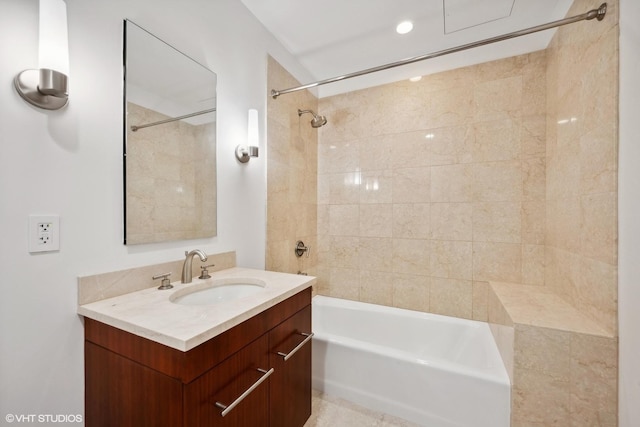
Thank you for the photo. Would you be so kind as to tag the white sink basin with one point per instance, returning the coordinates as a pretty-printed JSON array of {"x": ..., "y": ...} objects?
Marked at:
[{"x": 218, "y": 292}]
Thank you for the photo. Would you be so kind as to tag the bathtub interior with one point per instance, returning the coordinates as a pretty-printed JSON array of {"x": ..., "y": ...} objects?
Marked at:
[
  {"x": 425, "y": 337},
  {"x": 389, "y": 328}
]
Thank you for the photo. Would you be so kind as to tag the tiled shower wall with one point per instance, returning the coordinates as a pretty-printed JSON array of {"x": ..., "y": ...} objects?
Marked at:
[
  {"x": 582, "y": 164},
  {"x": 504, "y": 171},
  {"x": 428, "y": 190},
  {"x": 292, "y": 147}
]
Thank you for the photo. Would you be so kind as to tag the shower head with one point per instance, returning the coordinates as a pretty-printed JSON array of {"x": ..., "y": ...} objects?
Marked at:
[{"x": 317, "y": 120}]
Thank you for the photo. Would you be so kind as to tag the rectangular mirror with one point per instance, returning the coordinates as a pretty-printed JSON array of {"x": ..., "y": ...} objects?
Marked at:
[{"x": 169, "y": 142}]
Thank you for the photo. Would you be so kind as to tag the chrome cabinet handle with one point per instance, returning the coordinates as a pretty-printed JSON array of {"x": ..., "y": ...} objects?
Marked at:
[
  {"x": 286, "y": 356},
  {"x": 226, "y": 409}
]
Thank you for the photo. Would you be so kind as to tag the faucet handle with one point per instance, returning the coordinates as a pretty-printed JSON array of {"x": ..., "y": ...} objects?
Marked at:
[
  {"x": 205, "y": 272},
  {"x": 166, "y": 283}
]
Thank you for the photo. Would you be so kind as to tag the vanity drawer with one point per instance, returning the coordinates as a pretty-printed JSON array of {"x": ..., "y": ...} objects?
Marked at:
[
  {"x": 244, "y": 373},
  {"x": 290, "y": 384}
]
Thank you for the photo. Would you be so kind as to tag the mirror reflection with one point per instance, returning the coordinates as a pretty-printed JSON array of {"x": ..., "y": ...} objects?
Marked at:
[{"x": 170, "y": 142}]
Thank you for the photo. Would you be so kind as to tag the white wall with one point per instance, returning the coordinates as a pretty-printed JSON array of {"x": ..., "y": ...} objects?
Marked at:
[
  {"x": 629, "y": 215},
  {"x": 69, "y": 163}
]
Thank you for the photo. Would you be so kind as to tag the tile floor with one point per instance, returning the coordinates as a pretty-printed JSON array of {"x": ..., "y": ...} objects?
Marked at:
[{"x": 329, "y": 411}]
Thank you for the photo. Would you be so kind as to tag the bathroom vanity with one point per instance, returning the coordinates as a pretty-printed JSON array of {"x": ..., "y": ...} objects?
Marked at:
[{"x": 241, "y": 367}]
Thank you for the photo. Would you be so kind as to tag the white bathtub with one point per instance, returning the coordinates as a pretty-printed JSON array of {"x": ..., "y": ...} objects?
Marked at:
[{"x": 432, "y": 370}]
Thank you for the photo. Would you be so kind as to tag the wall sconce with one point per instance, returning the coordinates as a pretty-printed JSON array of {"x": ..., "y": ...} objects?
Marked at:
[
  {"x": 47, "y": 87},
  {"x": 245, "y": 152}
]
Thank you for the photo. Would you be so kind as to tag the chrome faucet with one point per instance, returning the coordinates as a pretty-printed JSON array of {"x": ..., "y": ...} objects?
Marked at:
[{"x": 186, "y": 267}]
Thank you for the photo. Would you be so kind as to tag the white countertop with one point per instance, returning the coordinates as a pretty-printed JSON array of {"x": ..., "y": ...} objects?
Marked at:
[{"x": 149, "y": 313}]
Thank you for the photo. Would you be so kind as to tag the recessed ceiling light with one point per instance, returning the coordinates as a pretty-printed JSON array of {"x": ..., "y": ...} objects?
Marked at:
[
  {"x": 404, "y": 27},
  {"x": 415, "y": 79}
]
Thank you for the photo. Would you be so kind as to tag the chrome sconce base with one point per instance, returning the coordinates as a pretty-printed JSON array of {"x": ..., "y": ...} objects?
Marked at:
[
  {"x": 245, "y": 153},
  {"x": 43, "y": 88}
]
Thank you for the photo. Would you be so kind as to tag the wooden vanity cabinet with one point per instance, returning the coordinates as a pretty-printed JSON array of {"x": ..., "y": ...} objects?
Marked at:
[{"x": 133, "y": 381}]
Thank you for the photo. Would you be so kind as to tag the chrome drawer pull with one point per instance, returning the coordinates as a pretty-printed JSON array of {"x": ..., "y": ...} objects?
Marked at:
[
  {"x": 226, "y": 409},
  {"x": 298, "y": 347}
]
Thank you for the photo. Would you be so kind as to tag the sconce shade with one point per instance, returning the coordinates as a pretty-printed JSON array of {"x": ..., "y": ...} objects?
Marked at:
[
  {"x": 47, "y": 87},
  {"x": 53, "y": 51},
  {"x": 252, "y": 128},
  {"x": 245, "y": 152}
]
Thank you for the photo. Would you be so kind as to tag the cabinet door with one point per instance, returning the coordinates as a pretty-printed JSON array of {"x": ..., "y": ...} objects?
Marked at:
[
  {"x": 291, "y": 381},
  {"x": 240, "y": 383},
  {"x": 123, "y": 393}
]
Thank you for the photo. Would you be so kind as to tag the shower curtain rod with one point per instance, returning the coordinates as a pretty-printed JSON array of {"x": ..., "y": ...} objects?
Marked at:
[
  {"x": 173, "y": 119},
  {"x": 598, "y": 13}
]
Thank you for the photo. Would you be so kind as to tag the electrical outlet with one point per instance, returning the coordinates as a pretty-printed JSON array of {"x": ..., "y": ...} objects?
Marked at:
[{"x": 44, "y": 233}]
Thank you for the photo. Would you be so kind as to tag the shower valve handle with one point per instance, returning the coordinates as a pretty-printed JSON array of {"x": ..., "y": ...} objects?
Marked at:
[{"x": 301, "y": 249}]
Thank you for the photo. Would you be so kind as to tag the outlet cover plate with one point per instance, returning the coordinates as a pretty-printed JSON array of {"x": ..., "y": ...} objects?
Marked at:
[{"x": 44, "y": 233}]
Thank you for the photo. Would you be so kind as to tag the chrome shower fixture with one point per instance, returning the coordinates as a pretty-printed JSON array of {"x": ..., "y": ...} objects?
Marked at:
[{"x": 317, "y": 121}]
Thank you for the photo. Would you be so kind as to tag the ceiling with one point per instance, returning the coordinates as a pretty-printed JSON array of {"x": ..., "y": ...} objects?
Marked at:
[{"x": 335, "y": 37}]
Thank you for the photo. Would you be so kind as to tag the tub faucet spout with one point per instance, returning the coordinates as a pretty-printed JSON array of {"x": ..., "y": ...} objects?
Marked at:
[{"x": 186, "y": 267}]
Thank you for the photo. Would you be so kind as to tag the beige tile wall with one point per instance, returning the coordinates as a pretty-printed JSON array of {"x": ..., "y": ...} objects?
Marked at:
[
  {"x": 564, "y": 378},
  {"x": 292, "y": 147},
  {"x": 428, "y": 190},
  {"x": 581, "y": 201}
]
